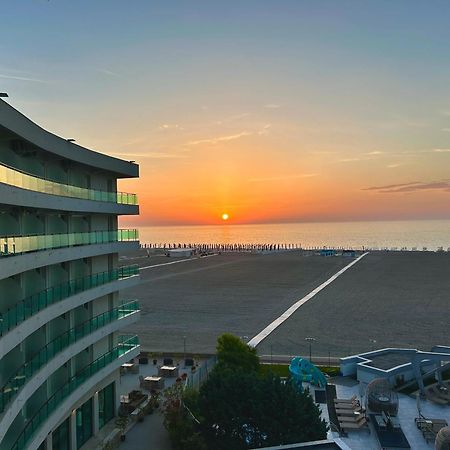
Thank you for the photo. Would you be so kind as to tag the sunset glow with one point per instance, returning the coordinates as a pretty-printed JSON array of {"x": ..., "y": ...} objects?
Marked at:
[{"x": 269, "y": 125}]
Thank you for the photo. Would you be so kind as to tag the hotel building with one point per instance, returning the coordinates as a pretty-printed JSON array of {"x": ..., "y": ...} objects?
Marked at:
[{"x": 60, "y": 312}]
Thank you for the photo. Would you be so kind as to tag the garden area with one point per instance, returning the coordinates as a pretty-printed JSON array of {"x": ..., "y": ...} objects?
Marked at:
[{"x": 243, "y": 404}]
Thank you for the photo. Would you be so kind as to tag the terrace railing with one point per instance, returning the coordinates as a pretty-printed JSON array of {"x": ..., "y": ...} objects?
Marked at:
[
  {"x": 125, "y": 345},
  {"x": 37, "y": 302},
  {"x": 18, "y": 178},
  {"x": 57, "y": 345},
  {"x": 14, "y": 245}
]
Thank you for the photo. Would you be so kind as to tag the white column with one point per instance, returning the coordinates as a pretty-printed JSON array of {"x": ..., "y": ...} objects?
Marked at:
[
  {"x": 49, "y": 442},
  {"x": 73, "y": 430},
  {"x": 95, "y": 411}
]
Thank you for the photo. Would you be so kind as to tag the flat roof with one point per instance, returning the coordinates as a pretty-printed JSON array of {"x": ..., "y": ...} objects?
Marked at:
[
  {"x": 388, "y": 361},
  {"x": 17, "y": 123}
]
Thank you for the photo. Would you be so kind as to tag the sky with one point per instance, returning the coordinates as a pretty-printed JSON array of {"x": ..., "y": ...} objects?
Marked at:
[{"x": 270, "y": 111}]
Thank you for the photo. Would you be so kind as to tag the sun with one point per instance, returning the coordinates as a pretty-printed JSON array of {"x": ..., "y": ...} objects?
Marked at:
[{"x": 225, "y": 216}]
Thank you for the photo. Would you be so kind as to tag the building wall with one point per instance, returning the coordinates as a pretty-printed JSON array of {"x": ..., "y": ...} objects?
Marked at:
[{"x": 59, "y": 329}]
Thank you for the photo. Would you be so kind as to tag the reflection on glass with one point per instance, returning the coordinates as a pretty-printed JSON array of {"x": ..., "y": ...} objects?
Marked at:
[
  {"x": 125, "y": 345},
  {"x": 12, "y": 245},
  {"x": 15, "y": 177},
  {"x": 31, "y": 305},
  {"x": 41, "y": 358}
]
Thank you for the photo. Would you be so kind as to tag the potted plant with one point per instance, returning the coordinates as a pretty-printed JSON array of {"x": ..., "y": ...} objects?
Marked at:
[
  {"x": 154, "y": 401},
  {"x": 108, "y": 445},
  {"x": 122, "y": 423},
  {"x": 141, "y": 414}
]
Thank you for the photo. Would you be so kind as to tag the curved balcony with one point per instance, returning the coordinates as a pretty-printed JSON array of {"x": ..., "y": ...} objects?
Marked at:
[
  {"x": 35, "y": 303},
  {"x": 21, "y": 126},
  {"x": 55, "y": 404},
  {"x": 16, "y": 245},
  {"x": 44, "y": 355},
  {"x": 20, "y": 179}
]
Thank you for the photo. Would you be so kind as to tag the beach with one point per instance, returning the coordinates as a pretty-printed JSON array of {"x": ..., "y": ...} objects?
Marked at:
[{"x": 387, "y": 299}]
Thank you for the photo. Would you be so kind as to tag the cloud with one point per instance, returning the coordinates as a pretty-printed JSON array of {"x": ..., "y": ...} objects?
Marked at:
[
  {"x": 441, "y": 150},
  {"x": 108, "y": 72},
  {"x": 265, "y": 129},
  {"x": 216, "y": 140},
  {"x": 345, "y": 160},
  {"x": 18, "y": 78},
  {"x": 416, "y": 186},
  {"x": 376, "y": 152},
  {"x": 232, "y": 118},
  {"x": 272, "y": 106},
  {"x": 394, "y": 166},
  {"x": 169, "y": 126},
  {"x": 445, "y": 129},
  {"x": 283, "y": 177}
]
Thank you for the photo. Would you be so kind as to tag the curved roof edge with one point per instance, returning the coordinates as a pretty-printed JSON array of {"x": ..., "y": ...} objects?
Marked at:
[{"x": 19, "y": 124}]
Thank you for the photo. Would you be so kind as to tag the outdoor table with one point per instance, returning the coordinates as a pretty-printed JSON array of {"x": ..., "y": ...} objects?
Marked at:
[
  {"x": 154, "y": 383},
  {"x": 124, "y": 399},
  {"x": 168, "y": 371}
]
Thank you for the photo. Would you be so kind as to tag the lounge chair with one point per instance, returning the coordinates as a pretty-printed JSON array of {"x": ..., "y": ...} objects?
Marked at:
[
  {"x": 353, "y": 399},
  {"x": 338, "y": 404},
  {"x": 436, "y": 398},
  {"x": 348, "y": 425},
  {"x": 441, "y": 394},
  {"x": 349, "y": 412}
]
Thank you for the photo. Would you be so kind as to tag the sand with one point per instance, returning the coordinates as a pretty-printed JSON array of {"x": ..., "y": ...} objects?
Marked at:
[{"x": 396, "y": 298}]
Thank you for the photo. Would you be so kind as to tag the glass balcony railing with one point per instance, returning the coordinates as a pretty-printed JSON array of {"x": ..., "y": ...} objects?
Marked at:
[
  {"x": 125, "y": 345},
  {"x": 37, "y": 302},
  {"x": 45, "y": 354},
  {"x": 15, "y": 177},
  {"x": 13, "y": 245}
]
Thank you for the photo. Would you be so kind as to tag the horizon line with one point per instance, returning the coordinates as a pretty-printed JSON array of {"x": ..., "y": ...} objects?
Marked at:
[{"x": 287, "y": 222}]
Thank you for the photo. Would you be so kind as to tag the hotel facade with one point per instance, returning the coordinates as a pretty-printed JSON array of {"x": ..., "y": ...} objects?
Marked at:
[{"x": 60, "y": 312}]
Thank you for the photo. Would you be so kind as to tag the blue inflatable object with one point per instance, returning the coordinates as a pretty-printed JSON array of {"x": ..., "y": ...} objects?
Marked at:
[{"x": 304, "y": 370}]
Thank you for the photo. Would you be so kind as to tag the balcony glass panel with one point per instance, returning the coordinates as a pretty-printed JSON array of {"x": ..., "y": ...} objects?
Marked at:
[
  {"x": 45, "y": 354},
  {"x": 125, "y": 345},
  {"x": 37, "y": 302},
  {"x": 23, "y": 180},
  {"x": 13, "y": 245}
]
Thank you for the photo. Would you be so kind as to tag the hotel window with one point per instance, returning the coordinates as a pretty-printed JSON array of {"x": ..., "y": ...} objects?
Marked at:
[
  {"x": 61, "y": 437},
  {"x": 84, "y": 423},
  {"x": 106, "y": 405}
]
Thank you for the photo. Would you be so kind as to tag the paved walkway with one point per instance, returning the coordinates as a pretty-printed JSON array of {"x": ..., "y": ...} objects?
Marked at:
[
  {"x": 288, "y": 313},
  {"x": 147, "y": 435}
]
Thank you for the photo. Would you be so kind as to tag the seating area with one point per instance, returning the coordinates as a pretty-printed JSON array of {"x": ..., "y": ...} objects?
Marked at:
[
  {"x": 131, "y": 401},
  {"x": 168, "y": 371},
  {"x": 151, "y": 383},
  {"x": 439, "y": 393},
  {"x": 350, "y": 414},
  {"x": 430, "y": 427},
  {"x": 129, "y": 367}
]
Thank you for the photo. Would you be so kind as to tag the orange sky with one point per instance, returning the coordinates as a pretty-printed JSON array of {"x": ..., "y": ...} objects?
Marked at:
[{"x": 312, "y": 111}]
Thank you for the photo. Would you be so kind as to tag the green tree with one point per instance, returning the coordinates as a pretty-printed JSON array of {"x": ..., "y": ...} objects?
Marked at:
[
  {"x": 234, "y": 354},
  {"x": 240, "y": 410},
  {"x": 182, "y": 426}
]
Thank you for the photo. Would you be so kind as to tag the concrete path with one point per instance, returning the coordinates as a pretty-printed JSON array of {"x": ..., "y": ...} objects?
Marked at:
[
  {"x": 288, "y": 313},
  {"x": 147, "y": 435}
]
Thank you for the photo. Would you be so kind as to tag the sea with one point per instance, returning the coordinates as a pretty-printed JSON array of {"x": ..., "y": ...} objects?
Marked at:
[{"x": 408, "y": 235}]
